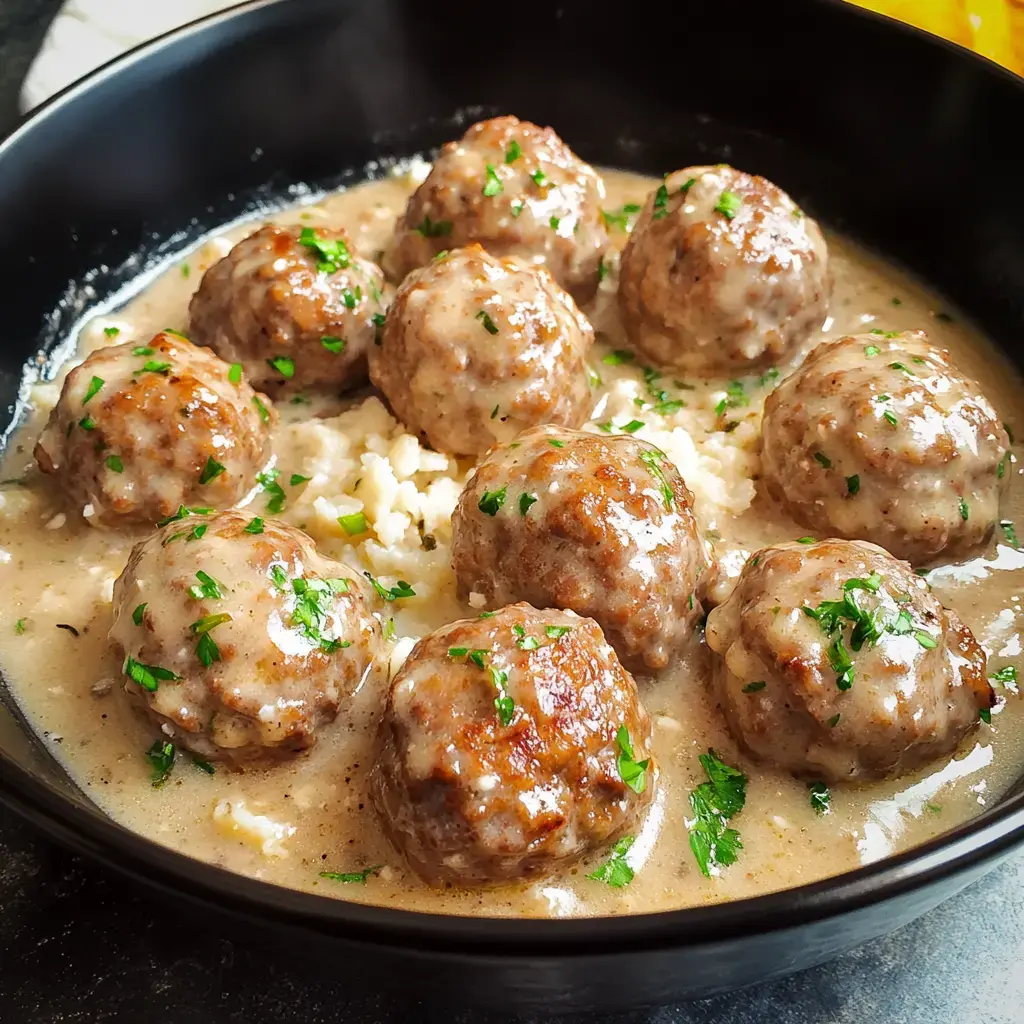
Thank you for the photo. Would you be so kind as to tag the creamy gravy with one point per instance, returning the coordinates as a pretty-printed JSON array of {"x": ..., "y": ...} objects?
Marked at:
[{"x": 55, "y": 569}]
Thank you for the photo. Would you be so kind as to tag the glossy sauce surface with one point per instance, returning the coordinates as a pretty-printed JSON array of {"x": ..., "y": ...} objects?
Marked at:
[{"x": 289, "y": 823}]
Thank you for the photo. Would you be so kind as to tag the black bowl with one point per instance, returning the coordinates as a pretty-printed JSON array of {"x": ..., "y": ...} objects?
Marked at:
[{"x": 885, "y": 133}]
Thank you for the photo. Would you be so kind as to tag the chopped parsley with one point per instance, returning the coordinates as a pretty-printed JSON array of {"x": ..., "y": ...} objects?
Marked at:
[
  {"x": 114, "y": 463},
  {"x": 965, "y": 510},
  {"x": 492, "y": 501},
  {"x": 871, "y": 351},
  {"x": 352, "y": 297},
  {"x": 111, "y": 332},
  {"x": 297, "y": 478},
  {"x": 822, "y": 459},
  {"x": 652, "y": 459},
  {"x": 148, "y": 677},
  {"x": 821, "y": 798},
  {"x": 834, "y": 721},
  {"x": 142, "y": 350},
  {"x": 714, "y": 802},
  {"x": 235, "y": 373},
  {"x": 551, "y": 441},
  {"x": 768, "y": 377},
  {"x": 349, "y": 877},
  {"x": 735, "y": 397},
  {"x": 632, "y": 772},
  {"x": 19, "y": 627},
  {"x": 1010, "y": 532},
  {"x": 525, "y": 501},
  {"x": 262, "y": 409},
  {"x": 207, "y": 589},
  {"x": 203, "y": 766},
  {"x": 161, "y": 760},
  {"x": 268, "y": 482},
  {"x": 687, "y": 185},
  {"x": 139, "y": 613},
  {"x": 211, "y": 470},
  {"x": 183, "y": 513},
  {"x": 434, "y": 229},
  {"x": 353, "y": 524},
  {"x": 492, "y": 183},
  {"x": 283, "y": 365},
  {"x": 207, "y": 650},
  {"x": 902, "y": 367},
  {"x": 853, "y": 484},
  {"x": 728, "y": 205},
  {"x": 890, "y": 417},
  {"x": 398, "y": 592},
  {"x": 754, "y": 687},
  {"x": 619, "y": 220},
  {"x": 615, "y": 871},
  {"x": 1006, "y": 676},
  {"x": 255, "y": 526},
  {"x": 557, "y": 632},
  {"x": 334, "y": 254},
  {"x": 485, "y": 318},
  {"x": 279, "y": 577},
  {"x": 632, "y": 426},
  {"x": 540, "y": 179},
  {"x": 602, "y": 269},
  {"x": 985, "y": 714},
  {"x": 333, "y": 344},
  {"x": 517, "y": 207},
  {"x": 156, "y": 366},
  {"x": 553, "y": 222},
  {"x": 87, "y": 423},
  {"x": 618, "y": 357},
  {"x": 311, "y": 615},
  {"x": 513, "y": 152},
  {"x": 660, "y": 208},
  {"x": 524, "y": 642},
  {"x": 94, "y": 386},
  {"x": 807, "y": 540}
]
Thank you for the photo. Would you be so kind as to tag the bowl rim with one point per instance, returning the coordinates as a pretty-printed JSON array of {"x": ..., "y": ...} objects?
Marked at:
[{"x": 977, "y": 843}]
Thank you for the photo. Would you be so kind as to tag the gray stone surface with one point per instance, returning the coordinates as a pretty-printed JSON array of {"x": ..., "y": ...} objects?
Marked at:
[{"x": 79, "y": 946}]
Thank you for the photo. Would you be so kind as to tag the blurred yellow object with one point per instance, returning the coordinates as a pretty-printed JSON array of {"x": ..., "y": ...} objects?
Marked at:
[{"x": 993, "y": 28}]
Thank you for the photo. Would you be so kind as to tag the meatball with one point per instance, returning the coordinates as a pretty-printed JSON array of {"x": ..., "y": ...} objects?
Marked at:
[
  {"x": 240, "y": 640},
  {"x": 294, "y": 306},
  {"x": 722, "y": 274},
  {"x": 475, "y": 348},
  {"x": 881, "y": 437},
  {"x": 140, "y": 430},
  {"x": 518, "y": 190},
  {"x": 601, "y": 525},
  {"x": 511, "y": 745},
  {"x": 836, "y": 662}
]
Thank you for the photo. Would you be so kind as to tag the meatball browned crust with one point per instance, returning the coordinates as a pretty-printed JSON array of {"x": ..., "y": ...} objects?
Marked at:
[
  {"x": 722, "y": 274},
  {"x": 475, "y": 348},
  {"x": 881, "y": 437},
  {"x": 240, "y": 640},
  {"x": 140, "y": 430},
  {"x": 836, "y": 662},
  {"x": 295, "y": 306},
  {"x": 501, "y": 752},
  {"x": 601, "y": 525},
  {"x": 518, "y": 190}
]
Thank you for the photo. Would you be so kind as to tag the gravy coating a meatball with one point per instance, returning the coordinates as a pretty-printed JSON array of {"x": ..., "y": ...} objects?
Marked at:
[
  {"x": 511, "y": 745},
  {"x": 240, "y": 640},
  {"x": 475, "y": 348},
  {"x": 518, "y": 190},
  {"x": 836, "y": 662},
  {"x": 601, "y": 525},
  {"x": 882, "y": 438},
  {"x": 140, "y": 430},
  {"x": 722, "y": 274},
  {"x": 297, "y": 307}
]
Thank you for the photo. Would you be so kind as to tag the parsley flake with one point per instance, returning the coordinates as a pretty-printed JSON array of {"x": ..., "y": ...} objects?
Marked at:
[
  {"x": 632, "y": 772},
  {"x": 94, "y": 386},
  {"x": 728, "y": 204},
  {"x": 284, "y": 365},
  {"x": 714, "y": 802},
  {"x": 352, "y": 877},
  {"x": 492, "y": 184},
  {"x": 353, "y": 524},
  {"x": 161, "y": 759},
  {"x": 492, "y": 501},
  {"x": 211, "y": 470},
  {"x": 333, "y": 344},
  {"x": 485, "y": 318},
  {"x": 615, "y": 871}
]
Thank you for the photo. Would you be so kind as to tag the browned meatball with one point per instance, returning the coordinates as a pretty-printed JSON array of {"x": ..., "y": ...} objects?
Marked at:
[
  {"x": 476, "y": 348},
  {"x": 140, "y": 430},
  {"x": 240, "y": 640},
  {"x": 295, "y": 306},
  {"x": 502, "y": 751},
  {"x": 518, "y": 190},
  {"x": 722, "y": 273},
  {"x": 881, "y": 437},
  {"x": 601, "y": 525},
  {"x": 837, "y": 662}
]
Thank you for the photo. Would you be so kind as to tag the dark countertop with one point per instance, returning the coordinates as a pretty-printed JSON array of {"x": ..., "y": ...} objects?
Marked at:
[{"x": 80, "y": 946}]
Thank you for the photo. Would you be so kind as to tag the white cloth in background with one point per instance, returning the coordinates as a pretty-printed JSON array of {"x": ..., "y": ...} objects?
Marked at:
[{"x": 87, "y": 33}]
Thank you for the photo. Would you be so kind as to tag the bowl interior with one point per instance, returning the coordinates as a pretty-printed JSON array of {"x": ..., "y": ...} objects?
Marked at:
[{"x": 253, "y": 109}]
